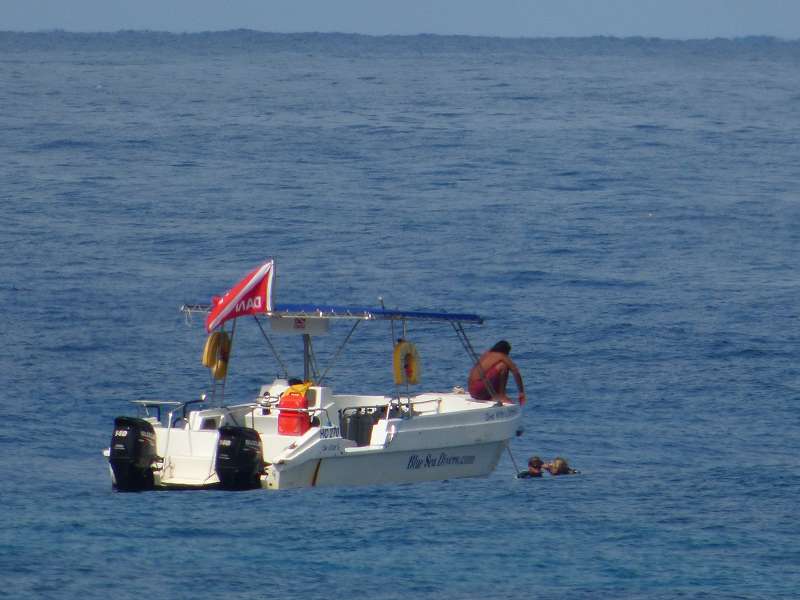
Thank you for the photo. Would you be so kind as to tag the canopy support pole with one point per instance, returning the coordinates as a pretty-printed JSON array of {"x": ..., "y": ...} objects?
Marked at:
[
  {"x": 271, "y": 347},
  {"x": 338, "y": 352},
  {"x": 306, "y": 357}
]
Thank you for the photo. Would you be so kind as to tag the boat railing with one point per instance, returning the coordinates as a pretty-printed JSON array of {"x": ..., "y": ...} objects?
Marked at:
[
  {"x": 311, "y": 412},
  {"x": 407, "y": 408},
  {"x": 437, "y": 401},
  {"x": 377, "y": 410},
  {"x": 146, "y": 406},
  {"x": 181, "y": 408},
  {"x": 272, "y": 403},
  {"x": 180, "y": 411}
]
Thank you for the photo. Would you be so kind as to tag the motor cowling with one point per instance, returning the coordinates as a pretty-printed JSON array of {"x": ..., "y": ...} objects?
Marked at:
[
  {"x": 240, "y": 458},
  {"x": 132, "y": 453}
]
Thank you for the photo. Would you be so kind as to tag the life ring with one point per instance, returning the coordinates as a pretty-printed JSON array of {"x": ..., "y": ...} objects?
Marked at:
[
  {"x": 210, "y": 349},
  {"x": 220, "y": 369},
  {"x": 405, "y": 363},
  {"x": 216, "y": 353}
]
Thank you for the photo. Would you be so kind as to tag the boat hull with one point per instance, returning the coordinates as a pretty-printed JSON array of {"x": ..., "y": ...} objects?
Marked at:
[
  {"x": 432, "y": 437},
  {"x": 380, "y": 466}
]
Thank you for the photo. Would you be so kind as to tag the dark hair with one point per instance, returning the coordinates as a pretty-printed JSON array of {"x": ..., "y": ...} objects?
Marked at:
[{"x": 502, "y": 346}]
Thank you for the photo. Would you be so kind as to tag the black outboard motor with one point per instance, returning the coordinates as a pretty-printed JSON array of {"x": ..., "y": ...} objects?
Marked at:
[
  {"x": 132, "y": 452},
  {"x": 240, "y": 459}
]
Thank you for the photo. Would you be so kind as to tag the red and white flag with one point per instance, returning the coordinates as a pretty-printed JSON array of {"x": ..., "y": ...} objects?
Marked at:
[{"x": 251, "y": 296}]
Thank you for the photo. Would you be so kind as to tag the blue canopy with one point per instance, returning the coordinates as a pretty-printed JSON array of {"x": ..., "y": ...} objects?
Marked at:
[{"x": 329, "y": 311}]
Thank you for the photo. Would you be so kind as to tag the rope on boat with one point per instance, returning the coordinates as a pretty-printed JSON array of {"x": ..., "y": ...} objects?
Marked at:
[
  {"x": 513, "y": 462},
  {"x": 462, "y": 336}
]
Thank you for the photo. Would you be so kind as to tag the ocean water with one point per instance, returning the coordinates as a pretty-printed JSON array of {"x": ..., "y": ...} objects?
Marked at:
[{"x": 625, "y": 212}]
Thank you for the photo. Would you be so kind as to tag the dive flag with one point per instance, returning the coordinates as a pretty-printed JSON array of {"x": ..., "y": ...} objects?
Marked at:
[{"x": 252, "y": 295}]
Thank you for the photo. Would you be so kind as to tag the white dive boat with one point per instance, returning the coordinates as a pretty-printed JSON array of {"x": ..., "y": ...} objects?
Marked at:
[{"x": 295, "y": 435}]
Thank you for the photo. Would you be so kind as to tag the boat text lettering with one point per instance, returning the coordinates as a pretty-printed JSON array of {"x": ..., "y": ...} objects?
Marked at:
[
  {"x": 329, "y": 432},
  {"x": 250, "y": 303},
  {"x": 429, "y": 461},
  {"x": 503, "y": 412}
]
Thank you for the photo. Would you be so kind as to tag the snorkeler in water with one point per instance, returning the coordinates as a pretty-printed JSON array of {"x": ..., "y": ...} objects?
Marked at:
[
  {"x": 559, "y": 466},
  {"x": 534, "y": 469}
]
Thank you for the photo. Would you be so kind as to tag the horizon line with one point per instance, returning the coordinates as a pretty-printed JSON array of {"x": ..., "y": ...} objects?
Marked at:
[{"x": 765, "y": 37}]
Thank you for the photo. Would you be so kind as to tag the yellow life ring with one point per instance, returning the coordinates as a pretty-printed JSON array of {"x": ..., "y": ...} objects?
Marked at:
[
  {"x": 220, "y": 369},
  {"x": 210, "y": 349},
  {"x": 216, "y": 353},
  {"x": 405, "y": 363}
]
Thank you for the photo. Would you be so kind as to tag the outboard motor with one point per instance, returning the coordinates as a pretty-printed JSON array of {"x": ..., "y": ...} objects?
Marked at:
[
  {"x": 240, "y": 459},
  {"x": 132, "y": 452}
]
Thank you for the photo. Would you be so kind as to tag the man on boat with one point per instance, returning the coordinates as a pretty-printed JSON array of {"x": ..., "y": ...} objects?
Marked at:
[{"x": 488, "y": 378}]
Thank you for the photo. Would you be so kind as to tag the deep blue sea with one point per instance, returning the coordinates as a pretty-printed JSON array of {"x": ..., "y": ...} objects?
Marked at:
[{"x": 626, "y": 212}]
